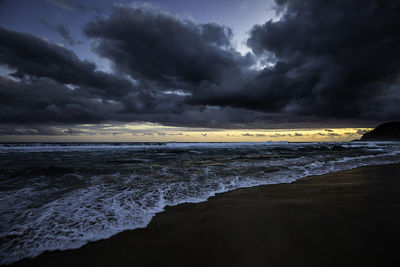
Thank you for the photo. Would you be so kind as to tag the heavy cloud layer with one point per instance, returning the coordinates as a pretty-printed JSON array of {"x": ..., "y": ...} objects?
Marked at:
[
  {"x": 333, "y": 59},
  {"x": 326, "y": 62},
  {"x": 156, "y": 46}
]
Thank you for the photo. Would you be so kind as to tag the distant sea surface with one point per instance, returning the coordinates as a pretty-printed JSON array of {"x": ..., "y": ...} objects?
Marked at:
[{"x": 63, "y": 195}]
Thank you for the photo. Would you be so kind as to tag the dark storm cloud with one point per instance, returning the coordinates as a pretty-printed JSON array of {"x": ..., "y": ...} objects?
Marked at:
[
  {"x": 153, "y": 45},
  {"x": 333, "y": 59},
  {"x": 330, "y": 63},
  {"x": 45, "y": 100},
  {"x": 54, "y": 86},
  {"x": 33, "y": 57}
]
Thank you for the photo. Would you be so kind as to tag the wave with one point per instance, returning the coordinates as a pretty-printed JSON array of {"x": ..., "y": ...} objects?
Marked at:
[{"x": 56, "y": 200}]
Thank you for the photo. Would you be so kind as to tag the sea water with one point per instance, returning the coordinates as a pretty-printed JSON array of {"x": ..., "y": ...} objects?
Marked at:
[{"x": 63, "y": 195}]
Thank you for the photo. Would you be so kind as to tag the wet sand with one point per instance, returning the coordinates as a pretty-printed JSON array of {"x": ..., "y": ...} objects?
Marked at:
[{"x": 349, "y": 218}]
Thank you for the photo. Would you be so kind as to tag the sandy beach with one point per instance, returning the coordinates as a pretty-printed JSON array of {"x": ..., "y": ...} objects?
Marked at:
[{"x": 349, "y": 218}]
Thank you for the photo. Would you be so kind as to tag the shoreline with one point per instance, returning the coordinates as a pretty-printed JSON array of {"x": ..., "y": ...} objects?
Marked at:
[{"x": 261, "y": 225}]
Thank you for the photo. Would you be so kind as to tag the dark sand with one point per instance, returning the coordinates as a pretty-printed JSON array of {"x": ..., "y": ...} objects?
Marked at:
[{"x": 350, "y": 218}]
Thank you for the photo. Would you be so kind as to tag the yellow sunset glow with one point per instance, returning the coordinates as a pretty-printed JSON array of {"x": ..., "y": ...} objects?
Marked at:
[{"x": 148, "y": 132}]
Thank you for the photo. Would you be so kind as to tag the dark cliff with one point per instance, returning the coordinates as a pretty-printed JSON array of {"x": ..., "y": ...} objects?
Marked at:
[{"x": 389, "y": 131}]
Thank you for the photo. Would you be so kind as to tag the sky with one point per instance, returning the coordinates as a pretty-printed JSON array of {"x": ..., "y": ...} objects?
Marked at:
[{"x": 174, "y": 70}]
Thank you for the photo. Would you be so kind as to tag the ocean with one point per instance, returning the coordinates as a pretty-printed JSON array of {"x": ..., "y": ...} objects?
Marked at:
[{"x": 63, "y": 195}]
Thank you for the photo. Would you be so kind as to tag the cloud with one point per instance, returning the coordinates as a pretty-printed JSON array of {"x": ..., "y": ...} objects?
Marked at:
[
  {"x": 153, "y": 45},
  {"x": 172, "y": 134},
  {"x": 277, "y": 135},
  {"x": 70, "y": 5},
  {"x": 333, "y": 59},
  {"x": 37, "y": 130},
  {"x": 54, "y": 86},
  {"x": 71, "y": 131},
  {"x": 331, "y": 64},
  {"x": 45, "y": 101},
  {"x": 361, "y": 132},
  {"x": 62, "y": 30},
  {"x": 33, "y": 57}
]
